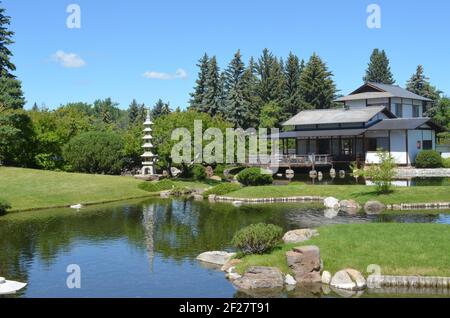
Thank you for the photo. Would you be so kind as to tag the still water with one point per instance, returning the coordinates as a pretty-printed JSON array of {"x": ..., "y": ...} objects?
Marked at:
[{"x": 145, "y": 249}]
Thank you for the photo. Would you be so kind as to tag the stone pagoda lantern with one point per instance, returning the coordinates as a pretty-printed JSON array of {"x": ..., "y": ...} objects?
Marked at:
[{"x": 148, "y": 171}]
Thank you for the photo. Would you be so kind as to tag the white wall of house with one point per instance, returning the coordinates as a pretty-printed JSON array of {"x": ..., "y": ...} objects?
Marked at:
[
  {"x": 398, "y": 146},
  {"x": 360, "y": 103}
]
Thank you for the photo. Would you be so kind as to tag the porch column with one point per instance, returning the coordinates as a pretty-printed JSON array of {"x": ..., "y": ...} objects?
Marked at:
[{"x": 407, "y": 150}]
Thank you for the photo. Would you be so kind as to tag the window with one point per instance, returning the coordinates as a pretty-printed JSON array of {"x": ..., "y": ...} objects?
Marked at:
[
  {"x": 399, "y": 110},
  {"x": 416, "y": 112},
  {"x": 427, "y": 145},
  {"x": 347, "y": 147}
]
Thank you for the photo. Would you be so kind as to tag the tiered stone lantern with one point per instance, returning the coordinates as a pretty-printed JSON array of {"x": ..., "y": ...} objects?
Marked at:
[{"x": 148, "y": 158}]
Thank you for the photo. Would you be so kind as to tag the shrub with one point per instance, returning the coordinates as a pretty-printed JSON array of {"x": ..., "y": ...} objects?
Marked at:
[
  {"x": 446, "y": 162},
  {"x": 95, "y": 152},
  {"x": 429, "y": 159},
  {"x": 257, "y": 238},
  {"x": 199, "y": 172},
  {"x": 4, "y": 205},
  {"x": 383, "y": 173},
  {"x": 222, "y": 189},
  {"x": 162, "y": 185},
  {"x": 254, "y": 177}
]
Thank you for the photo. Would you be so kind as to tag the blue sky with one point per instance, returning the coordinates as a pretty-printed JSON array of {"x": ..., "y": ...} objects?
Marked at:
[{"x": 120, "y": 41}]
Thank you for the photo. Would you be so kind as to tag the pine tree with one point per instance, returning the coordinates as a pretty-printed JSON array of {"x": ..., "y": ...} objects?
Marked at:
[
  {"x": 316, "y": 84},
  {"x": 378, "y": 70},
  {"x": 6, "y": 66},
  {"x": 236, "y": 106},
  {"x": 160, "y": 109},
  {"x": 420, "y": 85},
  {"x": 200, "y": 87},
  {"x": 133, "y": 112},
  {"x": 271, "y": 77},
  {"x": 211, "y": 103},
  {"x": 35, "y": 107},
  {"x": 11, "y": 95},
  {"x": 292, "y": 94},
  {"x": 250, "y": 84}
]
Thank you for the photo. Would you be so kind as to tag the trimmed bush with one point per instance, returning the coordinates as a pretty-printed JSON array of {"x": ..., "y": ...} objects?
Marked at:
[
  {"x": 429, "y": 159},
  {"x": 446, "y": 162},
  {"x": 222, "y": 189},
  {"x": 199, "y": 172},
  {"x": 254, "y": 177},
  {"x": 257, "y": 238},
  {"x": 159, "y": 186},
  {"x": 4, "y": 206}
]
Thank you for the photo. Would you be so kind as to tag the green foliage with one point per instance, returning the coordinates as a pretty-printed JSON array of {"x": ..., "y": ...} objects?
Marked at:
[
  {"x": 378, "y": 70},
  {"x": 160, "y": 109},
  {"x": 271, "y": 114},
  {"x": 440, "y": 113},
  {"x": 95, "y": 152},
  {"x": 199, "y": 172},
  {"x": 316, "y": 84},
  {"x": 257, "y": 238},
  {"x": 212, "y": 98},
  {"x": 222, "y": 189},
  {"x": 292, "y": 93},
  {"x": 446, "y": 162},
  {"x": 419, "y": 84},
  {"x": 429, "y": 159},
  {"x": 157, "y": 186},
  {"x": 254, "y": 177},
  {"x": 200, "y": 84},
  {"x": 4, "y": 206},
  {"x": 6, "y": 66},
  {"x": 383, "y": 173},
  {"x": 11, "y": 95}
]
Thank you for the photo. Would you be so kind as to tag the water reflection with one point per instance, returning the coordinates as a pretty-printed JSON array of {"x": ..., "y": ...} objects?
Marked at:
[{"x": 148, "y": 248}]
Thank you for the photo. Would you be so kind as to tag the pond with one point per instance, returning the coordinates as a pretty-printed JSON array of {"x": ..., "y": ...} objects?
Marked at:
[{"x": 146, "y": 248}]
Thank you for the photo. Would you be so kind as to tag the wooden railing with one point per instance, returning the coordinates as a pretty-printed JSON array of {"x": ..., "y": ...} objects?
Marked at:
[{"x": 294, "y": 160}]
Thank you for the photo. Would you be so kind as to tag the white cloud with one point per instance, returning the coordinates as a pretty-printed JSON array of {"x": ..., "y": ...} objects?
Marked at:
[
  {"x": 179, "y": 74},
  {"x": 69, "y": 60}
]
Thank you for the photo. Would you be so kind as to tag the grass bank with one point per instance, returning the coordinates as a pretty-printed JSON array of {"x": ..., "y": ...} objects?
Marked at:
[
  {"x": 359, "y": 193},
  {"x": 400, "y": 249},
  {"x": 28, "y": 189}
]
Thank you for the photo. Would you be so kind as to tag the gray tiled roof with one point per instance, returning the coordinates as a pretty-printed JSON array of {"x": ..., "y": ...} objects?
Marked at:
[
  {"x": 333, "y": 116},
  {"x": 400, "y": 123}
]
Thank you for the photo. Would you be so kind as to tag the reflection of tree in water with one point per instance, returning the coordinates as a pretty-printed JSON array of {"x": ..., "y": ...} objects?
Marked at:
[{"x": 148, "y": 221}]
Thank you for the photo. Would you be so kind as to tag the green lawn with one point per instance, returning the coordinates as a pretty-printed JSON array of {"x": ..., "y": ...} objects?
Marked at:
[
  {"x": 27, "y": 189},
  {"x": 400, "y": 249},
  {"x": 359, "y": 193}
]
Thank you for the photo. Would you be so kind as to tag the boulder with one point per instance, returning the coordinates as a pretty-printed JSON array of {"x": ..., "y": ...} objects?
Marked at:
[
  {"x": 349, "y": 206},
  {"x": 331, "y": 203},
  {"x": 165, "y": 194},
  {"x": 326, "y": 277},
  {"x": 175, "y": 171},
  {"x": 374, "y": 207},
  {"x": 260, "y": 277},
  {"x": 305, "y": 262},
  {"x": 289, "y": 280},
  {"x": 209, "y": 171},
  {"x": 301, "y": 235},
  {"x": 216, "y": 257},
  {"x": 212, "y": 198},
  {"x": 198, "y": 197},
  {"x": 215, "y": 178},
  {"x": 232, "y": 276},
  {"x": 231, "y": 263},
  {"x": 330, "y": 213},
  {"x": 349, "y": 279}
]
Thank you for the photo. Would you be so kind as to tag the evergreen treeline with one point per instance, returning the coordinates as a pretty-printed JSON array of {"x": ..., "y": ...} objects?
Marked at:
[{"x": 245, "y": 93}]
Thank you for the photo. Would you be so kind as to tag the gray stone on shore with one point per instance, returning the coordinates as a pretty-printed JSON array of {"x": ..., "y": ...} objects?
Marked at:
[
  {"x": 257, "y": 277},
  {"x": 374, "y": 207},
  {"x": 216, "y": 257},
  {"x": 331, "y": 203},
  {"x": 306, "y": 264},
  {"x": 300, "y": 235},
  {"x": 289, "y": 280},
  {"x": 349, "y": 279},
  {"x": 349, "y": 206},
  {"x": 326, "y": 277}
]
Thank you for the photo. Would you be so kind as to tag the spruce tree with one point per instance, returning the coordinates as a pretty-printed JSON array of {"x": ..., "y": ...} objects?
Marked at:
[
  {"x": 212, "y": 101},
  {"x": 292, "y": 94},
  {"x": 6, "y": 66},
  {"x": 250, "y": 84},
  {"x": 271, "y": 77},
  {"x": 236, "y": 106},
  {"x": 200, "y": 85},
  {"x": 420, "y": 85},
  {"x": 160, "y": 109},
  {"x": 11, "y": 95},
  {"x": 133, "y": 112},
  {"x": 316, "y": 84},
  {"x": 378, "y": 70}
]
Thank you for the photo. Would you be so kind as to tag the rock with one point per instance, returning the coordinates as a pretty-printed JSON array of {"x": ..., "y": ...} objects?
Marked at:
[
  {"x": 330, "y": 213},
  {"x": 198, "y": 197},
  {"x": 374, "y": 207},
  {"x": 305, "y": 262},
  {"x": 331, "y": 203},
  {"x": 216, "y": 178},
  {"x": 237, "y": 203},
  {"x": 175, "y": 171},
  {"x": 349, "y": 206},
  {"x": 301, "y": 235},
  {"x": 165, "y": 194},
  {"x": 231, "y": 263},
  {"x": 326, "y": 277},
  {"x": 209, "y": 172},
  {"x": 289, "y": 280},
  {"x": 260, "y": 277},
  {"x": 212, "y": 198},
  {"x": 349, "y": 279},
  {"x": 216, "y": 257},
  {"x": 232, "y": 276}
]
